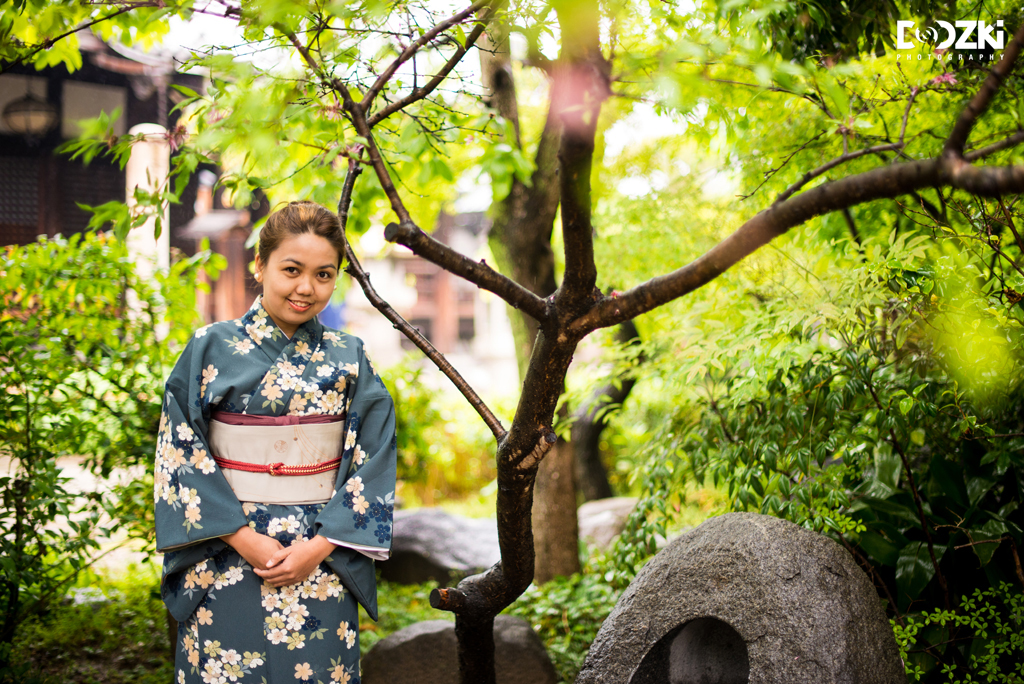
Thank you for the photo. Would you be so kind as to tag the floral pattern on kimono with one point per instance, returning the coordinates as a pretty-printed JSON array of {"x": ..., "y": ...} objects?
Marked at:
[
  {"x": 249, "y": 366},
  {"x": 247, "y": 630}
]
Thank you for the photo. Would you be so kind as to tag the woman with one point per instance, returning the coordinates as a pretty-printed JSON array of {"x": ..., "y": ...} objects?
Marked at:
[{"x": 275, "y": 476}]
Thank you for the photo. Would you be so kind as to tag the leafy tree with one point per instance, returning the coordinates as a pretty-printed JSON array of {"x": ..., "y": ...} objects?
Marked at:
[{"x": 383, "y": 87}]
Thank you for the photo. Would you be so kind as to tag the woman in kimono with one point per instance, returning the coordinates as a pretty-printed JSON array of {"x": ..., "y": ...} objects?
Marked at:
[{"x": 275, "y": 477}]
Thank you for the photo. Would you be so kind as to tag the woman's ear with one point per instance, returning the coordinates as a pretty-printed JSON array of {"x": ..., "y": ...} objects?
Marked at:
[{"x": 258, "y": 275}]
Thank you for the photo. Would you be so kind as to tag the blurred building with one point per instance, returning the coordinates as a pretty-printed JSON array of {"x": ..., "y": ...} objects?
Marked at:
[
  {"x": 41, "y": 189},
  {"x": 468, "y": 325}
]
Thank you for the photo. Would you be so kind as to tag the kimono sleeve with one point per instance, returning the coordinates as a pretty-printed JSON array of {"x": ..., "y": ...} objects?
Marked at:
[
  {"x": 193, "y": 500},
  {"x": 359, "y": 515}
]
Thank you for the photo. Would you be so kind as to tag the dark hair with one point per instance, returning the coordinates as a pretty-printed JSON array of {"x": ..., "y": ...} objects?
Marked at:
[{"x": 298, "y": 218}]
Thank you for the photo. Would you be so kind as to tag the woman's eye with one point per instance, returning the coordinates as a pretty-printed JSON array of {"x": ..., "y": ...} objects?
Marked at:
[
  {"x": 325, "y": 274},
  {"x": 291, "y": 269}
]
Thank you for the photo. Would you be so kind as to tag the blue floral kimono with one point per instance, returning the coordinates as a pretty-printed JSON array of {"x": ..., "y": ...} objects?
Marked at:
[{"x": 233, "y": 626}]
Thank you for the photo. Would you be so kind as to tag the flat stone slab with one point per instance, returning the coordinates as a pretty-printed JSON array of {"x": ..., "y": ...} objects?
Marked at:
[
  {"x": 425, "y": 653},
  {"x": 747, "y": 599}
]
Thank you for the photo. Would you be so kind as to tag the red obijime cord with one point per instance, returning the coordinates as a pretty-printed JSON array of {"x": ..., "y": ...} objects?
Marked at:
[{"x": 278, "y": 468}]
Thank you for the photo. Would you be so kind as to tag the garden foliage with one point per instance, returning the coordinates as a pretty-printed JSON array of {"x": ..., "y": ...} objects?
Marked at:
[{"x": 84, "y": 345}]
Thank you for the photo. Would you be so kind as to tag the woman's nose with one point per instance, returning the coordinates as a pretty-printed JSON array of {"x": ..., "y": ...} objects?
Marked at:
[{"x": 304, "y": 286}]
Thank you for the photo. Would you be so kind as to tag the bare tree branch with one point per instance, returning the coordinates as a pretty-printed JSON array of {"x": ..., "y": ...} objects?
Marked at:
[
  {"x": 429, "y": 87},
  {"x": 884, "y": 182},
  {"x": 1004, "y": 144},
  {"x": 979, "y": 103},
  {"x": 824, "y": 168},
  {"x": 355, "y": 270},
  {"x": 411, "y": 50},
  {"x": 476, "y": 272}
]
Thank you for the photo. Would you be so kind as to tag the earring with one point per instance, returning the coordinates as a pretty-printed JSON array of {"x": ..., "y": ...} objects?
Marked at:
[{"x": 259, "y": 277}]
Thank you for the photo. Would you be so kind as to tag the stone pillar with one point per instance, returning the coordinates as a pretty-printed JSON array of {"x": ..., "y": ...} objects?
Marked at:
[{"x": 148, "y": 167}]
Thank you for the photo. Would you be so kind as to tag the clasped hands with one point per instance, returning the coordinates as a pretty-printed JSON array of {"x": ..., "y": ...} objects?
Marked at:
[{"x": 276, "y": 564}]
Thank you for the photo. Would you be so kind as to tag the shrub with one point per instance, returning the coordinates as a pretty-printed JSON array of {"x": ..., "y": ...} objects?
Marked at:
[{"x": 84, "y": 344}]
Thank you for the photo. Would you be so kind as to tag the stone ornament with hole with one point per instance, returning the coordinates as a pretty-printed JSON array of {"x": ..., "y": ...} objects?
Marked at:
[{"x": 747, "y": 599}]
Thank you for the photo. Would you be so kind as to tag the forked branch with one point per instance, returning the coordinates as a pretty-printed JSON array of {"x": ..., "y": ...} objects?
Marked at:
[
  {"x": 355, "y": 270},
  {"x": 413, "y": 47}
]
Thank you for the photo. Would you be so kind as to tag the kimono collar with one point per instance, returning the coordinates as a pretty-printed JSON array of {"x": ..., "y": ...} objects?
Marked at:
[{"x": 268, "y": 337}]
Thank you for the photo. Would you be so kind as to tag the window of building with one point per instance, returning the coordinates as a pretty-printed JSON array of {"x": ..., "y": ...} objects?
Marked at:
[
  {"x": 426, "y": 285},
  {"x": 467, "y": 328},
  {"x": 421, "y": 324}
]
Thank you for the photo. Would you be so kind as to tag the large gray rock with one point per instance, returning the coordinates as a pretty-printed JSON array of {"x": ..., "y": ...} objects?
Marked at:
[
  {"x": 602, "y": 520},
  {"x": 430, "y": 544},
  {"x": 425, "y": 653},
  {"x": 747, "y": 598}
]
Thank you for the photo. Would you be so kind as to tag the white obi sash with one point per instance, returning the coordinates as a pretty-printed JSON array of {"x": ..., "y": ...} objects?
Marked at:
[{"x": 287, "y": 445}]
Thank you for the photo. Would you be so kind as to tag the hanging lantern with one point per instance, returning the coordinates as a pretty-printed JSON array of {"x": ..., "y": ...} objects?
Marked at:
[{"x": 30, "y": 116}]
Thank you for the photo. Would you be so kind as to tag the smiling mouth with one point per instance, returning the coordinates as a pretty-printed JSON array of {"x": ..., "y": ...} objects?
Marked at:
[{"x": 299, "y": 306}]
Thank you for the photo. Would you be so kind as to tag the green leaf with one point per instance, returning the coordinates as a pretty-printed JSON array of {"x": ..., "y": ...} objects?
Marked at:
[
  {"x": 906, "y": 403},
  {"x": 989, "y": 536},
  {"x": 879, "y": 548},
  {"x": 914, "y": 570}
]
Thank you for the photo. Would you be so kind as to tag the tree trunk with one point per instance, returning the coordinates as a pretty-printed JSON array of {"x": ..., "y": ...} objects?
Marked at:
[
  {"x": 520, "y": 240},
  {"x": 555, "y": 527},
  {"x": 591, "y": 420}
]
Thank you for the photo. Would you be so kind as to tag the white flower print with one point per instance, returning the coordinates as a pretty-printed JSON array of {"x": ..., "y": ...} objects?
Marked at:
[
  {"x": 185, "y": 433},
  {"x": 330, "y": 401},
  {"x": 350, "y": 439},
  {"x": 354, "y": 485},
  {"x": 352, "y": 369},
  {"x": 287, "y": 368},
  {"x": 231, "y": 657},
  {"x": 181, "y": 677},
  {"x": 186, "y": 494},
  {"x": 248, "y": 507},
  {"x": 324, "y": 371},
  {"x": 276, "y": 636},
  {"x": 202, "y": 331},
  {"x": 289, "y": 525},
  {"x": 359, "y": 456},
  {"x": 350, "y": 638},
  {"x": 317, "y": 356},
  {"x": 270, "y": 602},
  {"x": 209, "y": 374},
  {"x": 359, "y": 505},
  {"x": 244, "y": 346}
]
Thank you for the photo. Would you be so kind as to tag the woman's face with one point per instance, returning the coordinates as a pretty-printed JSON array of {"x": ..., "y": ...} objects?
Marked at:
[{"x": 298, "y": 280}]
